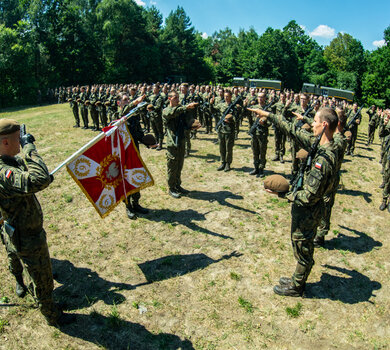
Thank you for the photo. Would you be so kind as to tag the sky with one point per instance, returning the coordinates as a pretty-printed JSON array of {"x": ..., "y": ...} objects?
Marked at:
[{"x": 322, "y": 20}]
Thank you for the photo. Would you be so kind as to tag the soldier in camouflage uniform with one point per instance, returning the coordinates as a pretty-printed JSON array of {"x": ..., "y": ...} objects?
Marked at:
[
  {"x": 112, "y": 106},
  {"x": 82, "y": 107},
  {"x": 22, "y": 232},
  {"x": 280, "y": 138},
  {"x": 73, "y": 105},
  {"x": 307, "y": 201},
  {"x": 353, "y": 128},
  {"x": 155, "y": 115},
  {"x": 372, "y": 124},
  {"x": 226, "y": 131},
  {"x": 340, "y": 144},
  {"x": 176, "y": 120},
  {"x": 101, "y": 107},
  {"x": 185, "y": 99},
  {"x": 384, "y": 131},
  {"x": 93, "y": 98}
]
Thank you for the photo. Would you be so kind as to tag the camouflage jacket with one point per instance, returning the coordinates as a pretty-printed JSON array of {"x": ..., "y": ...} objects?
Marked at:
[
  {"x": 176, "y": 121},
  {"x": 20, "y": 179},
  {"x": 225, "y": 128},
  {"x": 319, "y": 178}
]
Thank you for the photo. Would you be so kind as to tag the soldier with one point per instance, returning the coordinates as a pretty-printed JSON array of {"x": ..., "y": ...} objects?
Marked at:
[
  {"x": 353, "y": 128},
  {"x": 280, "y": 138},
  {"x": 155, "y": 115},
  {"x": 372, "y": 124},
  {"x": 133, "y": 123},
  {"x": 101, "y": 107},
  {"x": 259, "y": 135},
  {"x": 384, "y": 131},
  {"x": 73, "y": 105},
  {"x": 93, "y": 98},
  {"x": 112, "y": 105},
  {"x": 226, "y": 131},
  {"x": 340, "y": 144},
  {"x": 22, "y": 232},
  {"x": 82, "y": 107},
  {"x": 250, "y": 101},
  {"x": 307, "y": 201},
  {"x": 185, "y": 99},
  {"x": 176, "y": 119}
]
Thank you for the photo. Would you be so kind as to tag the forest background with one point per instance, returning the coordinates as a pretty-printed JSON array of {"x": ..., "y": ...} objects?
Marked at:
[{"x": 51, "y": 43}]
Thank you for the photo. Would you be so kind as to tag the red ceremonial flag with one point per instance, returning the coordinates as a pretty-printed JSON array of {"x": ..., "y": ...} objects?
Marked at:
[{"x": 110, "y": 170}]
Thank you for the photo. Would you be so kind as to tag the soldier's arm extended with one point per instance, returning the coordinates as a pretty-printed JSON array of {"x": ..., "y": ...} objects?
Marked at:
[
  {"x": 17, "y": 182},
  {"x": 173, "y": 112}
]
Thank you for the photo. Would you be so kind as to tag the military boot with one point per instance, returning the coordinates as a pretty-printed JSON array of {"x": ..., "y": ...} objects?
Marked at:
[
  {"x": 255, "y": 171},
  {"x": 173, "y": 193},
  {"x": 20, "y": 288},
  {"x": 227, "y": 167},
  {"x": 260, "y": 173},
  {"x": 221, "y": 167},
  {"x": 131, "y": 213},
  {"x": 285, "y": 280},
  {"x": 138, "y": 209},
  {"x": 159, "y": 147},
  {"x": 281, "y": 159},
  {"x": 319, "y": 241},
  {"x": 289, "y": 290},
  {"x": 383, "y": 205}
]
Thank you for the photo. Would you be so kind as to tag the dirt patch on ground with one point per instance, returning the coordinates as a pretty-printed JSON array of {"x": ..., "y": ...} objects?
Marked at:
[{"x": 198, "y": 272}]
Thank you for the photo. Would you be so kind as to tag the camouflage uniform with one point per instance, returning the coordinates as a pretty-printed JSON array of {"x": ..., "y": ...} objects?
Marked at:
[
  {"x": 93, "y": 98},
  {"x": 384, "y": 131},
  {"x": 176, "y": 121},
  {"x": 372, "y": 125},
  {"x": 185, "y": 100},
  {"x": 27, "y": 249},
  {"x": 75, "y": 109},
  {"x": 83, "y": 108},
  {"x": 280, "y": 138},
  {"x": 155, "y": 117},
  {"x": 340, "y": 144},
  {"x": 354, "y": 130},
  {"x": 307, "y": 202},
  {"x": 112, "y": 107}
]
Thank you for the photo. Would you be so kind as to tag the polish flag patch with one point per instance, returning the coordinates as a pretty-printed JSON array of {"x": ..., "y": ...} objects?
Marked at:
[
  {"x": 318, "y": 165},
  {"x": 8, "y": 174}
]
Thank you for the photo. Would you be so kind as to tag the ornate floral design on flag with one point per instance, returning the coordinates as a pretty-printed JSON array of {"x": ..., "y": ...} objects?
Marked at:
[{"x": 110, "y": 170}]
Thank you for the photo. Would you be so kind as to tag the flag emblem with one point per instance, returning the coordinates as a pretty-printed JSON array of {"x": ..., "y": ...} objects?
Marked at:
[
  {"x": 110, "y": 170},
  {"x": 318, "y": 165},
  {"x": 8, "y": 173}
]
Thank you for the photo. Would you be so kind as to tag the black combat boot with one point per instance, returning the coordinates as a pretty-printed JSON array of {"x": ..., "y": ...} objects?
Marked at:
[
  {"x": 131, "y": 212},
  {"x": 221, "y": 167},
  {"x": 159, "y": 147},
  {"x": 20, "y": 288},
  {"x": 281, "y": 159},
  {"x": 285, "y": 281},
  {"x": 181, "y": 190},
  {"x": 289, "y": 290},
  {"x": 227, "y": 167},
  {"x": 173, "y": 193},
  {"x": 383, "y": 205},
  {"x": 319, "y": 241},
  {"x": 255, "y": 171},
  {"x": 260, "y": 173}
]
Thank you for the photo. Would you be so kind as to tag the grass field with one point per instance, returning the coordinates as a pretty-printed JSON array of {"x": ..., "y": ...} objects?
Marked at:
[{"x": 198, "y": 272}]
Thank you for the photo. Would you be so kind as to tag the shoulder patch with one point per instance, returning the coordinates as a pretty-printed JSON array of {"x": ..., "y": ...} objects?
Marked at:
[
  {"x": 318, "y": 165},
  {"x": 8, "y": 173}
]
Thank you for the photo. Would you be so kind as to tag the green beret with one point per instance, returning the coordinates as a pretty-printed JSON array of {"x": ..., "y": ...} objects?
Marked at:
[{"x": 8, "y": 126}]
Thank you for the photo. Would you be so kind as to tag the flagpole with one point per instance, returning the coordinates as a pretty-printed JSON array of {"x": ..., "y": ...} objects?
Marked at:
[{"x": 96, "y": 139}]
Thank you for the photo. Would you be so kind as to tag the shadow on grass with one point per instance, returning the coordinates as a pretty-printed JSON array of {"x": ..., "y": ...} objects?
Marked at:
[
  {"x": 82, "y": 287},
  {"x": 178, "y": 265},
  {"x": 356, "y": 193},
  {"x": 185, "y": 218},
  {"x": 219, "y": 197},
  {"x": 114, "y": 333},
  {"x": 360, "y": 244},
  {"x": 210, "y": 158},
  {"x": 353, "y": 289},
  {"x": 356, "y": 155}
]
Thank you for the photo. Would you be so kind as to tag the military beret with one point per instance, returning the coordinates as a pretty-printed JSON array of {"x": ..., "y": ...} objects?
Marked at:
[
  {"x": 228, "y": 118},
  {"x": 348, "y": 135},
  {"x": 306, "y": 127},
  {"x": 276, "y": 183},
  {"x": 8, "y": 126},
  {"x": 196, "y": 125},
  {"x": 302, "y": 154},
  {"x": 149, "y": 140}
]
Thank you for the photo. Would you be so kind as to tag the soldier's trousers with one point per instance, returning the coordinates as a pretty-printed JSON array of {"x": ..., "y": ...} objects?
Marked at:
[
  {"x": 386, "y": 179},
  {"x": 84, "y": 115},
  {"x": 280, "y": 143},
  {"x": 187, "y": 138},
  {"x": 103, "y": 117},
  {"x": 304, "y": 222},
  {"x": 157, "y": 127},
  {"x": 175, "y": 161},
  {"x": 324, "y": 226},
  {"x": 352, "y": 141},
  {"x": 259, "y": 150},
  {"x": 226, "y": 143},
  {"x": 371, "y": 133},
  {"x": 34, "y": 262},
  {"x": 133, "y": 199},
  {"x": 95, "y": 117},
  {"x": 75, "y": 111},
  {"x": 294, "y": 160}
]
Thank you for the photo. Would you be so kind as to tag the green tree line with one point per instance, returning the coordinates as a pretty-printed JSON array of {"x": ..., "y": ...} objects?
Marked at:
[{"x": 50, "y": 43}]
